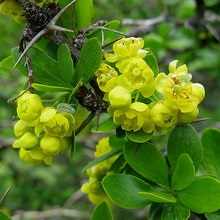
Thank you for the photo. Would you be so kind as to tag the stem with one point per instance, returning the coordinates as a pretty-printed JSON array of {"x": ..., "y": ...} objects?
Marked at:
[{"x": 85, "y": 122}]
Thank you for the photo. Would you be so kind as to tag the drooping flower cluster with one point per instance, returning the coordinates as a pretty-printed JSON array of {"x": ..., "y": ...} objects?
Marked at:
[
  {"x": 42, "y": 132},
  {"x": 93, "y": 187},
  {"x": 141, "y": 100}
]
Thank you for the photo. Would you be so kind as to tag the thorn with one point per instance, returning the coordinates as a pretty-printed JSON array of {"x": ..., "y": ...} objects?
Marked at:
[
  {"x": 5, "y": 193},
  {"x": 53, "y": 27}
]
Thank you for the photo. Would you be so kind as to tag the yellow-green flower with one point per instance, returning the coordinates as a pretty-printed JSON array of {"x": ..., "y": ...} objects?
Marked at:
[
  {"x": 29, "y": 107},
  {"x": 132, "y": 118},
  {"x": 126, "y": 48},
  {"x": 138, "y": 75},
  {"x": 119, "y": 97},
  {"x": 188, "y": 116},
  {"x": 163, "y": 116},
  {"x": 178, "y": 94},
  {"x": 106, "y": 77},
  {"x": 56, "y": 124}
]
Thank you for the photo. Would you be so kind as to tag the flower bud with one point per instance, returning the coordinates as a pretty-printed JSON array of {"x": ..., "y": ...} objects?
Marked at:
[
  {"x": 50, "y": 145},
  {"x": 21, "y": 127},
  {"x": 119, "y": 97},
  {"x": 29, "y": 107},
  {"x": 26, "y": 157},
  {"x": 28, "y": 141}
]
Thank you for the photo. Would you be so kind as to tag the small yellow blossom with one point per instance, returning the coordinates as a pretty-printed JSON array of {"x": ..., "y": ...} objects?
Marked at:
[
  {"x": 132, "y": 118},
  {"x": 126, "y": 48},
  {"x": 163, "y": 116},
  {"x": 57, "y": 124},
  {"x": 21, "y": 127},
  {"x": 106, "y": 77}
]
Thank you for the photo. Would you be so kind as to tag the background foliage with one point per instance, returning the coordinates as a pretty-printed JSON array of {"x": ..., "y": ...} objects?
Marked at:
[{"x": 174, "y": 36}]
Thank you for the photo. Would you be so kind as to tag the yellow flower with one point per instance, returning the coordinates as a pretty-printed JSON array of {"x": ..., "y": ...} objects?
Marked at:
[
  {"x": 188, "y": 116},
  {"x": 119, "y": 97},
  {"x": 106, "y": 77},
  {"x": 179, "y": 94},
  {"x": 126, "y": 48},
  {"x": 26, "y": 157},
  {"x": 163, "y": 116},
  {"x": 56, "y": 124},
  {"x": 132, "y": 118},
  {"x": 102, "y": 147},
  {"x": 28, "y": 141},
  {"x": 29, "y": 107}
]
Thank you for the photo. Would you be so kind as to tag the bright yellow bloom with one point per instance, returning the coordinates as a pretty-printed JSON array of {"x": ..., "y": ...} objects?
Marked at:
[
  {"x": 106, "y": 77},
  {"x": 57, "y": 124},
  {"x": 126, "y": 48},
  {"x": 188, "y": 116},
  {"x": 136, "y": 72},
  {"x": 119, "y": 97},
  {"x": 178, "y": 94},
  {"x": 29, "y": 107},
  {"x": 132, "y": 118},
  {"x": 163, "y": 116},
  {"x": 102, "y": 147}
]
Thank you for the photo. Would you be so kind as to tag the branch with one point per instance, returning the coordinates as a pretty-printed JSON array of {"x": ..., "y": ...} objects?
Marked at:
[{"x": 59, "y": 212}]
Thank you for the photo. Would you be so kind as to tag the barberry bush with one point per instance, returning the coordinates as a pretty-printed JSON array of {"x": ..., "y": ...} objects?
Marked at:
[{"x": 84, "y": 76}]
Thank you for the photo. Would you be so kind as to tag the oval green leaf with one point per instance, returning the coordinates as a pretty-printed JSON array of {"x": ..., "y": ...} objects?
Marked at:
[
  {"x": 184, "y": 139},
  {"x": 184, "y": 172},
  {"x": 123, "y": 190},
  {"x": 211, "y": 161},
  {"x": 89, "y": 61},
  {"x": 175, "y": 212},
  {"x": 139, "y": 136},
  {"x": 148, "y": 161},
  {"x": 65, "y": 63},
  {"x": 202, "y": 196},
  {"x": 101, "y": 211},
  {"x": 158, "y": 196},
  {"x": 4, "y": 216}
]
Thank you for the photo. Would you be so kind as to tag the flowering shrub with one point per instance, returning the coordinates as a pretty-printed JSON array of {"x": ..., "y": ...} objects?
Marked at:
[{"x": 119, "y": 77}]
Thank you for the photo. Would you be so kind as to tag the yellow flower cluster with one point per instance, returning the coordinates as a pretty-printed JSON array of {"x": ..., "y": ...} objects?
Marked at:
[
  {"x": 42, "y": 132},
  {"x": 93, "y": 187},
  {"x": 130, "y": 85}
]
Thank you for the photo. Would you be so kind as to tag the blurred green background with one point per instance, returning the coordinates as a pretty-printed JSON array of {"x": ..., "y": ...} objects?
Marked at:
[{"x": 178, "y": 36}]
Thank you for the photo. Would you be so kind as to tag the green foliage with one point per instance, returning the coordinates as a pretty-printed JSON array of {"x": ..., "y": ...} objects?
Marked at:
[
  {"x": 101, "y": 211},
  {"x": 125, "y": 190},
  {"x": 4, "y": 216},
  {"x": 184, "y": 139}
]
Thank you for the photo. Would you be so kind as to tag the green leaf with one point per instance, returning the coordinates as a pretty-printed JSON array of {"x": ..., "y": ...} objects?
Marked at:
[
  {"x": 184, "y": 172},
  {"x": 123, "y": 190},
  {"x": 202, "y": 196},
  {"x": 65, "y": 63},
  {"x": 213, "y": 216},
  {"x": 175, "y": 212},
  {"x": 210, "y": 141},
  {"x": 102, "y": 158},
  {"x": 148, "y": 161},
  {"x": 89, "y": 61},
  {"x": 4, "y": 216},
  {"x": 45, "y": 68},
  {"x": 105, "y": 126},
  {"x": 101, "y": 211},
  {"x": 184, "y": 139},
  {"x": 7, "y": 63},
  {"x": 116, "y": 142},
  {"x": 83, "y": 14},
  {"x": 158, "y": 196},
  {"x": 139, "y": 136},
  {"x": 46, "y": 88},
  {"x": 151, "y": 60},
  {"x": 118, "y": 165}
]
